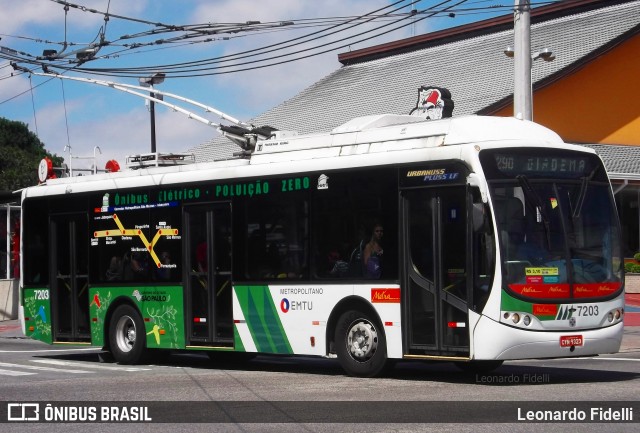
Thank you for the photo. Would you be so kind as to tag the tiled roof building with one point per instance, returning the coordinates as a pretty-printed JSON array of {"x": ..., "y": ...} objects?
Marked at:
[
  {"x": 468, "y": 60},
  {"x": 588, "y": 94}
]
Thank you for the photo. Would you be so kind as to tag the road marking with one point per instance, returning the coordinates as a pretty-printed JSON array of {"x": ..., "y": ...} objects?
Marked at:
[
  {"x": 582, "y": 358},
  {"x": 37, "y": 367},
  {"x": 88, "y": 365},
  {"x": 617, "y": 359},
  {"x": 14, "y": 373},
  {"x": 50, "y": 350},
  {"x": 595, "y": 358}
]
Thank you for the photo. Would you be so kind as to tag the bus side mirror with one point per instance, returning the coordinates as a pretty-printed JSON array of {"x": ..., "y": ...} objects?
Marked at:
[{"x": 478, "y": 217}]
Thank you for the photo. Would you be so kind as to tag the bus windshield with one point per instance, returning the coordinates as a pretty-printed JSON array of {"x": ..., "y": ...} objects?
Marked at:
[{"x": 557, "y": 224}]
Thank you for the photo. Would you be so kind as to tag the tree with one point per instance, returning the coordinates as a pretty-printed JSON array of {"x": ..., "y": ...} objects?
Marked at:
[{"x": 20, "y": 153}]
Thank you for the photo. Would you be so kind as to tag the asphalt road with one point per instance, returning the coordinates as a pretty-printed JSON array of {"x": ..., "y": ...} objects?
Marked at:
[{"x": 313, "y": 394}]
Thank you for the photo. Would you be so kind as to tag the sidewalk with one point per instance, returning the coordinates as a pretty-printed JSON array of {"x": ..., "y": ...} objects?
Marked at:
[
  {"x": 632, "y": 309},
  {"x": 11, "y": 329}
]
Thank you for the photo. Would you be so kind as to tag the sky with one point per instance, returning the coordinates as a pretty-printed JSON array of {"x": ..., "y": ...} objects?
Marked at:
[{"x": 96, "y": 124}]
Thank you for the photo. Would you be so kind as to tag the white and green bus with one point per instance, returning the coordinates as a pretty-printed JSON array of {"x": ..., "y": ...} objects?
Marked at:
[{"x": 499, "y": 242}]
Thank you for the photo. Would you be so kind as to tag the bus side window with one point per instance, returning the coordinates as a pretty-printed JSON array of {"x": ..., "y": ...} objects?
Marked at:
[
  {"x": 344, "y": 215},
  {"x": 276, "y": 233},
  {"x": 35, "y": 243}
]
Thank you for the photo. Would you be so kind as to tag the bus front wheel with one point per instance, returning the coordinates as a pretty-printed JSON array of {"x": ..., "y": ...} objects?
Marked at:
[
  {"x": 127, "y": 335},
  {"x": 360, "y": 345}
]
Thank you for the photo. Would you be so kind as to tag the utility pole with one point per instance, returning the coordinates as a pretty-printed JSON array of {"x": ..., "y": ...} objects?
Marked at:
[
  {"x": 522, "y": 98},
  {"x": 156, "y": 78},
  {"x": 152, "y": 111}
]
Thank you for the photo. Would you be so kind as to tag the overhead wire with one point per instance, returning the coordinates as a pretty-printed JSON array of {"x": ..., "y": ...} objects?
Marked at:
[
  {"x": 130, "y": 72},
  {"x": 262, "y": 50},
  {"x": 269, "y": 48},
  {"x": 33, "y": 104},
  {"x": 171, "y": 27},
  {"x": 67, "y": 5},
  {"x": 193, "y": 68}
]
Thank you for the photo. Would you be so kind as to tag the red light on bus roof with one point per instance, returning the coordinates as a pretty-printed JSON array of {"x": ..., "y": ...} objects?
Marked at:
[{"x": 112, "y": 166}]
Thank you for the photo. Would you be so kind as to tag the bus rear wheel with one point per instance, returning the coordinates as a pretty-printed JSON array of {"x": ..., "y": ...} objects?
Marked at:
[
  {"x": 360, "y": 345},
  {"x": 127, "y": 335}
]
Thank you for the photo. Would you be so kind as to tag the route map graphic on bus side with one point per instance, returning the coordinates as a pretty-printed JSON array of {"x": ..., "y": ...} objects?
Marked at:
[{"x": 139, "y": 233}]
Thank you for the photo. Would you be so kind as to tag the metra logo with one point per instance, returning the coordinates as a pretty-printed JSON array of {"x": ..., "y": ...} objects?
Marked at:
[
  {"x": 530, "y": 290},
  {"x": 545, "y": 310},
  {"x": 385, "y": 296},
  {"x": 565, "y": 313},
  {"x": 605, "y": 289}
]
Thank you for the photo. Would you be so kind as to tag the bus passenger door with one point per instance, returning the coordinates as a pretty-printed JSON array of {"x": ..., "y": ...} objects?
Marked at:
[
  {"x": 435, "y": 277},
  {"x": 208, "y": 276},
  {"x": 68, "y": 252}
]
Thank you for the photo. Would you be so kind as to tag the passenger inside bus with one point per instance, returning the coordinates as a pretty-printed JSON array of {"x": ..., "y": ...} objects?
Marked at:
[
  {"x": 336, "y": 265},
  {"x": 114, "y": 271},
  {"x": 164, "y": 270},
  {"x": 135, "y": 266},
  {"x": 372, "y": 254}
]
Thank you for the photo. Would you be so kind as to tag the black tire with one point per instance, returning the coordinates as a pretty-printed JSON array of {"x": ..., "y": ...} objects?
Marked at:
[
  {"x": 127, "y": 336},
  {"x": 361, "y": 345},
  {"x": 479, "y": 366}
]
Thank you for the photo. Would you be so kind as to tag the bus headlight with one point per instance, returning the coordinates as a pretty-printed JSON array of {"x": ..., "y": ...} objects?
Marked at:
[
  {"x": 515, "y": 317},
  {"x": 526, "y": 320},
  {"x": 615, "y": 315}
]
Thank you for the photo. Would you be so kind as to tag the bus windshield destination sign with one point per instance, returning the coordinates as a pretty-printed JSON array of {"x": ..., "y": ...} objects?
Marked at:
[{"x": 514, "y": 164}]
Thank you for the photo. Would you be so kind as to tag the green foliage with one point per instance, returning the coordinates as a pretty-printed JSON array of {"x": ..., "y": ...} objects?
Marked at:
[
  {"x": 632, "y": 268},
  {"x": 636, "y": 256},
  {"x": 20, "y": 153}
]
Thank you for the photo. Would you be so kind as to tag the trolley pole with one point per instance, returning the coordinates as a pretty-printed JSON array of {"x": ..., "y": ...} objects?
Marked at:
[{"x": 522, "y": 98}]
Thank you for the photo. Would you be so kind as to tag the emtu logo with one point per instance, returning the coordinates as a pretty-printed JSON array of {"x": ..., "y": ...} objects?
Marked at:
[{"x": 285, "y": 305}]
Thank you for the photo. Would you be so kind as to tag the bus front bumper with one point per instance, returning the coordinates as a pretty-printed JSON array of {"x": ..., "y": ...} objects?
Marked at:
[{"x": 493, "y": 340}]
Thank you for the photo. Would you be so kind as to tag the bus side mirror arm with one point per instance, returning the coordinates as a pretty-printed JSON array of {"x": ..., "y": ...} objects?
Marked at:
[{"x": 474, "y": 180}]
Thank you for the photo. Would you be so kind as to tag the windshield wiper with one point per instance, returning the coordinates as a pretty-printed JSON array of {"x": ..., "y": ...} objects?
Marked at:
[
  {"x": 582, "y": 193},
  {"x": 533, "y": 197}
]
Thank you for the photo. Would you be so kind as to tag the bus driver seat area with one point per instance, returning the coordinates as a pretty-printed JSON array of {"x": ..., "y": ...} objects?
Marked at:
[{"x": 510, "y": 214}]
